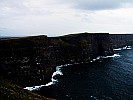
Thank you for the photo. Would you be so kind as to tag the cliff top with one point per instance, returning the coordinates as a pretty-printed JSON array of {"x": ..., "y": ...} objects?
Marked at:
[{"x": 26, "y": 37}]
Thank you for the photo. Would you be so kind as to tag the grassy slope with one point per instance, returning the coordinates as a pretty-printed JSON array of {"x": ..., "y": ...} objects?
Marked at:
[{"x": 10, "y": 91}]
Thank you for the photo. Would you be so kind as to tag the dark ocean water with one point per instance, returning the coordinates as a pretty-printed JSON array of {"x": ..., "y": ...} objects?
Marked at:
[{"x": 105, "y": 79}]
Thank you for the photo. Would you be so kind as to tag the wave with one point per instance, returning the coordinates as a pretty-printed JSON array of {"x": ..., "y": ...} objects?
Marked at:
[
  {"x": 123, "y": 48},
  {"x": 53, "y": 80},
  {"x": 58, "y": 72}
]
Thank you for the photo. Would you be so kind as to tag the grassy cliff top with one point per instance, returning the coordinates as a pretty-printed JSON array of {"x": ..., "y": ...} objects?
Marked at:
[{"x": 10, "y": 91}]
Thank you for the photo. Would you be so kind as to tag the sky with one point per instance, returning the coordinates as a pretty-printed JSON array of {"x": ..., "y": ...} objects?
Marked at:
[{"x": 60, "y": 17}]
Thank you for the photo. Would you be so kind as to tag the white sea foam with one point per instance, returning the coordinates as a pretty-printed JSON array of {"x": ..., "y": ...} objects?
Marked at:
[
  {"x": 57, "y": 73},
  {"x": 100, "y": 57},
  {"x": 115, "y": 55},
  {"x": 34, "y": 88},
  {"x": 124, "y": 48},
  {"x": 118, "y": 49},
  {"x": 53, "y": 81},
  {"x": 127, "y": 47}
]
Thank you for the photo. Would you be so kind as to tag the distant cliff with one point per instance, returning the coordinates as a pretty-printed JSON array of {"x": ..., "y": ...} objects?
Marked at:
[
  {"x": 31, "y": 61},
  {"x": 121, "y": 40}
]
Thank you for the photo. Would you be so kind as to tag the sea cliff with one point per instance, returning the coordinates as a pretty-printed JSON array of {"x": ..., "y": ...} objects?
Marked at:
[{"x": 30, "y": 61}]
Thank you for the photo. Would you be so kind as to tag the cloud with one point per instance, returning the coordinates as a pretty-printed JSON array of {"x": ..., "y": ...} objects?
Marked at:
[
  {"x": 9, "y": 8},
  {"x": 58, "y": 17},
  {"x": 98, "y": 4},
  {"x": 16, "y": 8}
]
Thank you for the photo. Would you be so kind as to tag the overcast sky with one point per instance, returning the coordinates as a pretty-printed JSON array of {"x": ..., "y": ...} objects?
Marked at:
[{"x": 59, "y": 17}]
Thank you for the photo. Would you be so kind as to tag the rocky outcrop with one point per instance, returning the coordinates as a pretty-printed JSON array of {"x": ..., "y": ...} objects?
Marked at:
[{"x": 31, "y": 61}]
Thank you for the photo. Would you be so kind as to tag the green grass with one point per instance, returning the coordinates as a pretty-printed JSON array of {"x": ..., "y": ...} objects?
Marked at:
[{"x": 10, "y": 91}]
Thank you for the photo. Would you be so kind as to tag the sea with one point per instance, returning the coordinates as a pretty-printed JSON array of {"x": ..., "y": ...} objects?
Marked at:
[{"x": 104, "y": 78}]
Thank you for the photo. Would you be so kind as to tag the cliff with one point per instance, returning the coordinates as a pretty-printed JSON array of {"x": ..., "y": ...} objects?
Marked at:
[
  {"x": 79, "y": 47},
  {"x": 25, "y": 60},
  {"x": 32, "y": 60},
  {"x": 121, "y": 40}
]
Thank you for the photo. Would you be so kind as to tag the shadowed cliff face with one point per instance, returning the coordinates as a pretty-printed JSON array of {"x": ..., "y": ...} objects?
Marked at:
[
  {"x": 80, "y": 47},
  {"x": 121, "y": 40},
  {"x": 26, "y": 60},
  {"x": 32, "y": 60}
]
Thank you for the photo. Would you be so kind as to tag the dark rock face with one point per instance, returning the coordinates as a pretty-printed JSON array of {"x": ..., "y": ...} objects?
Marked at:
[
  {"x": 121, "y": 40},
  {"x": 26, "y": 60},
  {"x": 104, "y": 44},
  {"x": 32, "y": 60},
  {"x": 80, "y": 47}
]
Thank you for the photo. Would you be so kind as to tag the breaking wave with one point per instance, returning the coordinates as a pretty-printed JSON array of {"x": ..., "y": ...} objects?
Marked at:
[
  {"x": 123, "y": 48},
  {"x": 58, "y": 72},
  {"x": 53, "y": 80}
]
